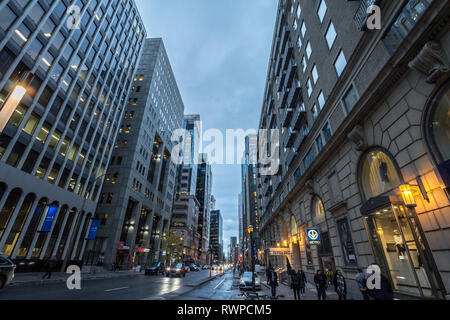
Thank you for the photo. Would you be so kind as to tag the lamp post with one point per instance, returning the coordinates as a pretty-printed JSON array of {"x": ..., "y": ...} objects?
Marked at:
[
  {"x": 13, "y": 100},
  {"x": 250, "y": 232}
]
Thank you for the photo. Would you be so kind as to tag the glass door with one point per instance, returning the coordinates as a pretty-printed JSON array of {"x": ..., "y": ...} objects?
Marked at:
[{"x": 399, "y": 251}]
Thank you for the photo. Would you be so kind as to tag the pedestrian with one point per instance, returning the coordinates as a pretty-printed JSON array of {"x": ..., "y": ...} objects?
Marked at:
[
  {"x": 321, "y": 281},
  {"x": 361, "y": 281},
  {"x": 51, "y": 264},
  {"x": 341, "y": 285},
  {"x": 268, "y": 270},
  {"x": 302, "y": 282},
  {"x": 273, "y": 282},
  {"x": 295, "y": 284},
  {"x": 384, "y": 292}
]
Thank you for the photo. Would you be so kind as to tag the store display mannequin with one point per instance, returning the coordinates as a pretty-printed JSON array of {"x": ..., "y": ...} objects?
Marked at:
[{"x": 401, "y": 250}]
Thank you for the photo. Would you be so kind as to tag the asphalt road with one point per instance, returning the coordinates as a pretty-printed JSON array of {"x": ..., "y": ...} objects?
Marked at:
[{"x": 133, "y": 287}]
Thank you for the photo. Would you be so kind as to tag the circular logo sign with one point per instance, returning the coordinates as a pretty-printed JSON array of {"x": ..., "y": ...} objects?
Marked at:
[{"x": 313, "y": 235}]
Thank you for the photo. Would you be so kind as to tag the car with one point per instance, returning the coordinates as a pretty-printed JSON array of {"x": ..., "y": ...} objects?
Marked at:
[
  {"x": 188, "y": 268},
  {"x": 206, "y": 267},
  {"x": 7, "y": 268},
  {"x": 194, "y": 268},
  {"x": 246, "y": 282},
  {"x": 213, "y": 267},
  {"x": 177, "y": 269},
  {"x": 260, "y": 269},
  {"x": 155, "y": 269},
  {"x": 220, "y": 268}
]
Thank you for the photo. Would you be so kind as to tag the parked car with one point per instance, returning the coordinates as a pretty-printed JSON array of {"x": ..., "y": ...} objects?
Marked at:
[
  {"x": 213, "y": 267},
  {"x": 260, "y": 269},
  {"x": 188, "y": 268},
  {"x": 177, "y": 269},
  {"x": 155, "y": 269},
  {"x": 206, "y": 267},
  {"x": 194, "y": 268},
  {"x": 246, "y": 282},
  {"x": 7, "y": 268}
]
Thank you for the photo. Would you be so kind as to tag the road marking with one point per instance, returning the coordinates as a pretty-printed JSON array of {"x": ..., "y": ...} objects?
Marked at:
[
  {"x": 219, "y": 284},
  {"x": 116, "y": 289}
]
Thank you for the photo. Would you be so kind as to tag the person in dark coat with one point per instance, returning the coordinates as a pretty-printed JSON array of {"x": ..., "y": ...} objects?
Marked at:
[
  {"x": 51, "y": 264},
  {"x": 340, "y": 285},
  {"x": 295, "y": 284},
  {"x": 302, "y": 281},
  {"x": 385, "y": 292},
  {"x": 273, "y": 281},
  {"x": 321, "y": 281}
]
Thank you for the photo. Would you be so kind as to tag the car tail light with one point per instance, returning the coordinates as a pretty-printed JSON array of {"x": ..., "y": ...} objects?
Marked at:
[{"x": 14, "y": 266}]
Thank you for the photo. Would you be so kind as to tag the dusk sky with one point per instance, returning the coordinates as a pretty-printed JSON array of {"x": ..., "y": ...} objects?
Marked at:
[{"x": 219, "y": 52}]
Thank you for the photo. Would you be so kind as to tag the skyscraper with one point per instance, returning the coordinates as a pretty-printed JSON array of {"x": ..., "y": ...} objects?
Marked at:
[
  {"x": 186, "y": 206},
  {"x": 136, "y": 201},
  {"x": 216, "y": 233},
  {"x": 203, "y": 194},
  {"x": 56, "y": 146}
]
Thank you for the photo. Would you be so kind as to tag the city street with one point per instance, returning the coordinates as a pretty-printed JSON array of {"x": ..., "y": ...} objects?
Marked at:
[{"x": 133, "y": 287}]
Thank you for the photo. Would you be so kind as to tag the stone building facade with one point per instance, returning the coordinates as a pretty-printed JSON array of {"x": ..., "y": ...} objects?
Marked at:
[{"x": 382, "y": 128}]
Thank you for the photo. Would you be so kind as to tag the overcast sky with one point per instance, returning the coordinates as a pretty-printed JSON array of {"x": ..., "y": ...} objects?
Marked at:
[{"x": 219, "y": 51}]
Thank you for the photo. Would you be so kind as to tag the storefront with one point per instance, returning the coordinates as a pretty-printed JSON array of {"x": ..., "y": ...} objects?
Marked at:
[{"x": 396, "y": 237}]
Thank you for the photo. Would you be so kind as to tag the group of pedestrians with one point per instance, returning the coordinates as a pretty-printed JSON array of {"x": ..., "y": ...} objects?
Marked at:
[{"x": 322, "y": 282}]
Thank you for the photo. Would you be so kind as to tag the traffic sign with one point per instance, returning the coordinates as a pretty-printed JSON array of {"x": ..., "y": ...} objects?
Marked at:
[{"x": 313, "y": 236}]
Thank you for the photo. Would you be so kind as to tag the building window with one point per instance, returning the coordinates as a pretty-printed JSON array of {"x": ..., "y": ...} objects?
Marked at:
[
  {"x": 308, "y": 50},
  {"x": 321, "y": 100},
  {"x": 346, "y": 242},
  {"x": 340, "y": 63},
  {"x": 438, "y": 125},
  {"x": 378, "y": 174},
  {"x": 309, "y": 87},
  {"x": 327, "y": 132},
  {"x": 331, "y": 35},
  {"x": 303, "y": 29},
  {"x": 304, "y": 64},
  {"x": 314, "y": 112},
  {"x": 315, "y": 74},
  {"x": 308, "y": 160},
  {"x": 322, "y": 10},
  {"x": 318, "y": 211},
  {"x": 350, "y": 99},
  {"x": 299, "y": 11},
  {"x": 319, "y": 143}
]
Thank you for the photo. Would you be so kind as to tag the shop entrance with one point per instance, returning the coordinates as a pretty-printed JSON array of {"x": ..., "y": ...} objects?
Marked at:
[{"x": 401, "y": 252}]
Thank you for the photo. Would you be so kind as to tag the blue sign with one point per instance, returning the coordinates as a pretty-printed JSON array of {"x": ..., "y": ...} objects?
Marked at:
[
  {"x": 313, "y": 235},
  {"x": 94, "y": 228},
  {"x": 48, "y": 222}
]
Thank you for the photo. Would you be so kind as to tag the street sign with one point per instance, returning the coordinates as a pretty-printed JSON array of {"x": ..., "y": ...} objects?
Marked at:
[{"x": 313, "y": 236}]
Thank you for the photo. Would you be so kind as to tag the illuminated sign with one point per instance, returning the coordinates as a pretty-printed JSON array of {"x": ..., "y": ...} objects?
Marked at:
[{"x": 313, "y": 236}]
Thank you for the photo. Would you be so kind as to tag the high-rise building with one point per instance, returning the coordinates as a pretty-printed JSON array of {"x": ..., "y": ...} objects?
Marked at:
[
  {"x": 186, "y": 207},
  {"x": 363, "y": 110},
  {"x": 216, "y": 233},
  {"x": 136, "y": 200},
  {"x": 250, "y": 216},
  {"x": 203, "y": 195},
  {"x": 240, "y": 219},
  {"x": 57, "y": 143}
]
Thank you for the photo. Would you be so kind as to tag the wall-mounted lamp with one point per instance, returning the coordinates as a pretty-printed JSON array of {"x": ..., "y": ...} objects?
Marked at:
[
  {"x": 13, "y": 100},
  {"x": 408, "y": 191}
]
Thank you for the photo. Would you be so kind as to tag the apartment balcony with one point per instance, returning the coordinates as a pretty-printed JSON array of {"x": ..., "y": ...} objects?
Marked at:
[
  {"x": 289, "y": 138},
  {"x": 294, "y": 95},
  {"x": 361, "y": 16},
  {"x": 299, "y": 117},
  {"x": 300, "y": 138},
  {"x": 276, "y": 183},
  {"x": 291, "y": 156},
  {"x": 288, "y": 55},
  {"x": 287, "y": 117},
  {"x": 284, "y": 37},
  {"x": 284, "y": 97},
  {"x": 291, "y": 72},
  {"x": 268, "y": 188}
]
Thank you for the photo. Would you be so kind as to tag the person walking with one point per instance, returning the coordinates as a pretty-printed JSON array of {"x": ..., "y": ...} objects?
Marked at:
[
  {"x": 273, "y": 282},
  {"x": 295, "y": 284},
  {"x": 321, "y": 281},
  {"x": 385, "y": 291},
  {"x": 341, "y": 285},
  {"x": 361, "y": 281},
  {"x": 302, "y": 282},
  {"x": 268, "y": 270},
  {"x": 51, "y": 264}
]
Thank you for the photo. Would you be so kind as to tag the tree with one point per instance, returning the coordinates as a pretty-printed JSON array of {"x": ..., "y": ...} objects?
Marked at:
[{"x": 173, "y": 244}]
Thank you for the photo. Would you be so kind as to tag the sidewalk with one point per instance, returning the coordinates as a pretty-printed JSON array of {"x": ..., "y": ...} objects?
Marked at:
[
  {"x": 86, "y": 274},
  {"x": 284, "y": 292}
]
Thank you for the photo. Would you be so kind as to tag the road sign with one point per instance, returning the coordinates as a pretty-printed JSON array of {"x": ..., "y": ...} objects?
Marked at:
[{"x": 313, "y": 236}]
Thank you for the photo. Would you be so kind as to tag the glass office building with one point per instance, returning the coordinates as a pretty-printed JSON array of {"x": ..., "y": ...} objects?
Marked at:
[{"x": 77, "y": 61}]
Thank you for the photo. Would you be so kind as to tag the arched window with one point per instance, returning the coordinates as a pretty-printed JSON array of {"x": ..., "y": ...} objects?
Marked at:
[
  {"x": 438, "y": 125},
  {"x": 378, "y": 173},
  {"x": 318, "y": 211},
  {"x": 294, "y": 227}
]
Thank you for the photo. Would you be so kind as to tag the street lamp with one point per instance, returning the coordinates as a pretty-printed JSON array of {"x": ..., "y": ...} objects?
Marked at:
[
  {"x": 12, "y": 101},
  {"x": 250, "y": 232}
]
